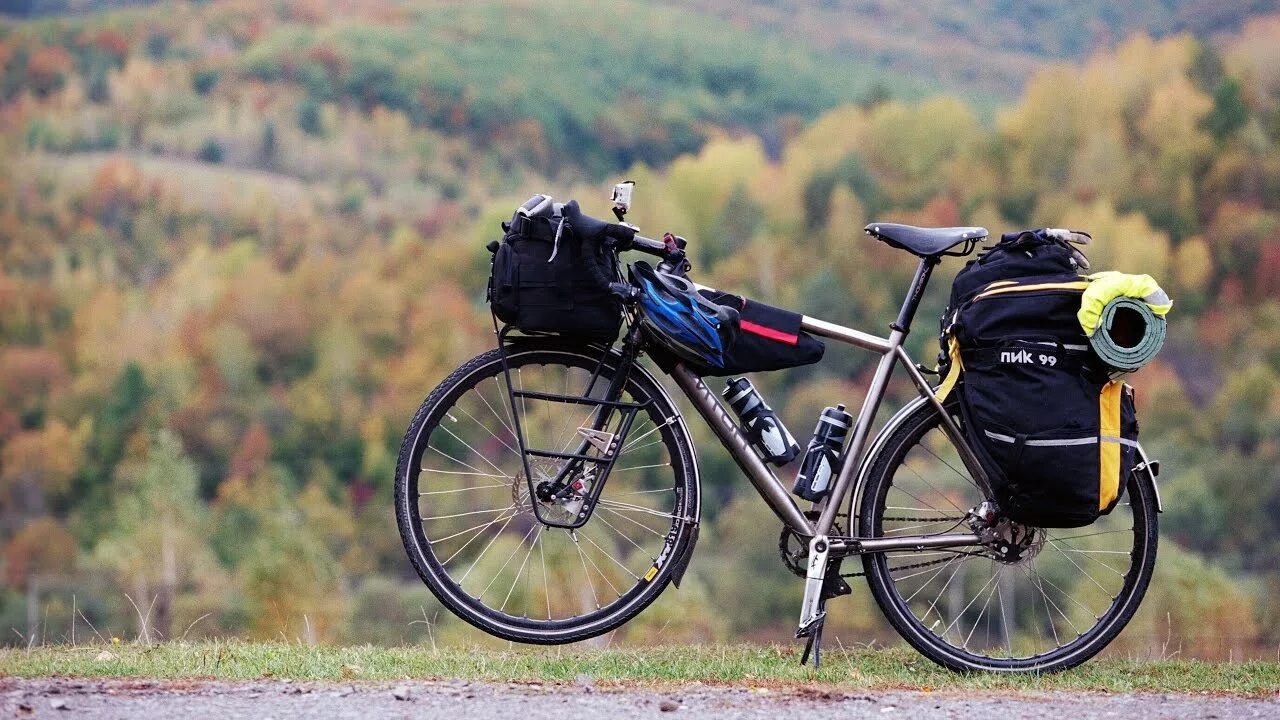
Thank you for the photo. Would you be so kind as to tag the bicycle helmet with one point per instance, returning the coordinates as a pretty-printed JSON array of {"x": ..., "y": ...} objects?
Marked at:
[{"x": 681, "y": 320}]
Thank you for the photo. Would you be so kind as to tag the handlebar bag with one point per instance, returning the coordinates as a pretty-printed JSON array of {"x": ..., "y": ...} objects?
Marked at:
[
  {"x": 769, "y": 338},
  {"x": 542, "y": 280}
]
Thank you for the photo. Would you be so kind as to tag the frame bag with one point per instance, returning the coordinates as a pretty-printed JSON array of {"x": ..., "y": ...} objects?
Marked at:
[
  {"x": 540, "y": 280},
  {"x": 769, "y": 338},
  {"x": 1056, "y": 435}
]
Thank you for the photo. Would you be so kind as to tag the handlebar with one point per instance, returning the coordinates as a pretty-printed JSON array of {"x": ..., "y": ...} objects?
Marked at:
[{"x": 623, "y": 237}]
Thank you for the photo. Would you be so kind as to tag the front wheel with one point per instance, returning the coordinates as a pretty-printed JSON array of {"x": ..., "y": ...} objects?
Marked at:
[
  {"x": 466, "y": 514},
  {"x": 1046, "y": 601}
]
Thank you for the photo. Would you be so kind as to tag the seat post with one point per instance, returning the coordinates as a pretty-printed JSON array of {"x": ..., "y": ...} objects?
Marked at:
[{"x": 912, "y": 303}]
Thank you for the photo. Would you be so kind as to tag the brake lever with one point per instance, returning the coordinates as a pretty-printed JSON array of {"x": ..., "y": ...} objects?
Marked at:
[{"x": 627, "y": 292}]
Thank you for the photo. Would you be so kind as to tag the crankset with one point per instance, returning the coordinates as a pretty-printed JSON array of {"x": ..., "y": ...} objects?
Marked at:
[{"x": 794, "y": 550}]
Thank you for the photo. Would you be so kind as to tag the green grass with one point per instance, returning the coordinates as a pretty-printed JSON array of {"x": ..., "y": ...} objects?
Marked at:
[{"x": 748, "y": 665}]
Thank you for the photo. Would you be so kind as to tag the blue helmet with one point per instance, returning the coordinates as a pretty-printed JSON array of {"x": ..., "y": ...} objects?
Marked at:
[{"x": 681, "y": 320}]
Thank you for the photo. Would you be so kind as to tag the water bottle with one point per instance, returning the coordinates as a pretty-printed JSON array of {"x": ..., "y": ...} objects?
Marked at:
[
  {"x": 822, "y": 457},
  {"x": 763, "y": 426}
]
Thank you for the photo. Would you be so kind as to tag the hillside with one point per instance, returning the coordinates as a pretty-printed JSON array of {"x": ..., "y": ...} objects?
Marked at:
[
  {"x": 239, "y": 244},
  {"x": 987, "y": 48}
]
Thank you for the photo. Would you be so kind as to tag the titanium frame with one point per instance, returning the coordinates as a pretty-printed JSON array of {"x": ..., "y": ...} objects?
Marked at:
[{"x": 852, "y": 469}]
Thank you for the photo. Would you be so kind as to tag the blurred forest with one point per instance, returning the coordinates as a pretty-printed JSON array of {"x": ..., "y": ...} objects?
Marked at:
[{"x": 239, "y": 243}]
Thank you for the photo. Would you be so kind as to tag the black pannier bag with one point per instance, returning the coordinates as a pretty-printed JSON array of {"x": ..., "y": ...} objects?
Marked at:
[
  {"x": 769, "y": 338},
  {"x": 541, "y": 282},
  {"x": 1056, "y": 435}
]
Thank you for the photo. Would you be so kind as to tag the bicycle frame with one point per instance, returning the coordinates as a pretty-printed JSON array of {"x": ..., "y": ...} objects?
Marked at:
[{"x": 853, "y": 466}]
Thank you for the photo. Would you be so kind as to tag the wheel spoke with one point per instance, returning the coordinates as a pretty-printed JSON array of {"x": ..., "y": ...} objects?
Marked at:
[
  {"x": 629, "y": 519},
  {"x": 480, "y": 531},
  {"x": 1042, "y": 592},
  {"x": 490, "y": 432},
  {"x": 477, "y": 470},
  {"x": 473, "y": 527},
  {"x": 469, "y": 488}
]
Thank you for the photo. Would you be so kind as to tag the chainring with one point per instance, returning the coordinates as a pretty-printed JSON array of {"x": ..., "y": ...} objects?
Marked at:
[{"x": 795, "y": 549}]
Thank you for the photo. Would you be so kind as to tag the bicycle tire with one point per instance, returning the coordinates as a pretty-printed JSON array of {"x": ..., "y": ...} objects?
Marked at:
[
  {"x": 678, "y": 539},
  {"x": 941, "y": 647}
]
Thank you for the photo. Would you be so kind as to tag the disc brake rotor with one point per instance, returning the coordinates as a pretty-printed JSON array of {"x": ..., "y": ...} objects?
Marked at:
[{"x": 544, "y": 473}]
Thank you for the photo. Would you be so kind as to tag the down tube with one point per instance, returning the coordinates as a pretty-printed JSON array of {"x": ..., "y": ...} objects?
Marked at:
[{"x": 725, "y": 428}]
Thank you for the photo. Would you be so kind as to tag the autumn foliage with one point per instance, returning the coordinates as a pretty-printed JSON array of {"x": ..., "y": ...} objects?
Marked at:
[{"x": 239, "y": 245}]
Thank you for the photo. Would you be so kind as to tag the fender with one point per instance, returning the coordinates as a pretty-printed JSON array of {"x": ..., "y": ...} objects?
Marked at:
[{"x": 1152, "y": 468}]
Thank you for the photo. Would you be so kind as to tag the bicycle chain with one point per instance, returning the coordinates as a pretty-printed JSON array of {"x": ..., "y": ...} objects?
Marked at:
[
  {"x": 913, "y": 566},
  {"x": 926, "y": 563}
]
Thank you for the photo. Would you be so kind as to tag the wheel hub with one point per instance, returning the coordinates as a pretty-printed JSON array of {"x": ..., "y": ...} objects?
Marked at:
[
  {"x": 1014, "y": 543},
  {"x": 564, "y": 508}
]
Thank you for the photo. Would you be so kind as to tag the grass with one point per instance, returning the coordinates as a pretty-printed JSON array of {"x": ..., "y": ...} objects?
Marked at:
[{"x": 743, "y": 665}]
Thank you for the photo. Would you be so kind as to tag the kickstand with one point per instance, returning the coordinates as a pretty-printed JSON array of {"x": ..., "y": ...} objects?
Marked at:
[{"x": 814, "y": 644}]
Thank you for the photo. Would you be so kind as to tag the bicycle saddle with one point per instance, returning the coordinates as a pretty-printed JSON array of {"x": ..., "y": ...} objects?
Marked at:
[{"x": 926, "y": 242}]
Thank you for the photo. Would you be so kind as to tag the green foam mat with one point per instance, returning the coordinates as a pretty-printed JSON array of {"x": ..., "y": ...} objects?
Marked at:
[{"x": 1125, "y": 341}]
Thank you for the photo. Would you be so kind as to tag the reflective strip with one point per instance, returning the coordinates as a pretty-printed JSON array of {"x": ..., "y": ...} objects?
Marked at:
[
  {"x": 833, "y": 421},
  {"x": 1064, "y": 442},
  {"x": 768, "y": 332},
  {"x": 1109, "y": 457},
  {"x": 1122, "y": 441},
  {"x": 746, "y": 391},
  {"x": 953, "y": 374},
  {"x": 1064, "y": 346},
  {"x": 1034, "y": 288}
]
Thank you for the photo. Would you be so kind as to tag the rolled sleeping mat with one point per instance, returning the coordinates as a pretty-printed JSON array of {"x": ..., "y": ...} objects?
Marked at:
[{"x": 1129, "y": 334}]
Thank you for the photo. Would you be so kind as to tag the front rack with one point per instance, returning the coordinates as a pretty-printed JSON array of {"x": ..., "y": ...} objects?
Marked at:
[{"x": 576, "y": 484}]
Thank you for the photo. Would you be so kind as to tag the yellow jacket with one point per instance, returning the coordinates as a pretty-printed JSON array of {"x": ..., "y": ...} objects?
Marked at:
[{"x": 1107, "y": 286}]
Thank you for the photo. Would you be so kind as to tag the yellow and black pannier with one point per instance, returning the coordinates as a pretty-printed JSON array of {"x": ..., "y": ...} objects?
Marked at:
[{"x": 1056, "y": 434}]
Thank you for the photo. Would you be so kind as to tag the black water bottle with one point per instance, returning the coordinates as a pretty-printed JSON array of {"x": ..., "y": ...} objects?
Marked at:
[
  {"x": 763, "y": 426},
  {"x": 822, "y": 457}
]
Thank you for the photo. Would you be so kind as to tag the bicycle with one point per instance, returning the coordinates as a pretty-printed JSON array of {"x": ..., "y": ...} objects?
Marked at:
[{"x": 547, "y": 491}]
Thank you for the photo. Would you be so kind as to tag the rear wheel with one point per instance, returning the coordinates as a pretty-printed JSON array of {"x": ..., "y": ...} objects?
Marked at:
[
  {"x": 1045, "y": 600},
  {"x": 467, "y": 518}
]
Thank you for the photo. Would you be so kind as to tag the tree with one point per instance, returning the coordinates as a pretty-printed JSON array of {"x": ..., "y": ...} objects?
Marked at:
[
  {"x": 157, "y": 538},
  {"x": 269, "y": 144},
  {"x": 309, "y": 120},
  {"x": 1229, "y": 111},
  {"x": 37, "y": 466},
  {"x": 120, "y": 417},
  {"x": 211, "y": 151},
  {"x": 41, "y": 551},
  {"x": 203, "y": 80}
]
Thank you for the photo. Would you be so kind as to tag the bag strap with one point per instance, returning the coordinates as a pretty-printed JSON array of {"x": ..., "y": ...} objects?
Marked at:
[{"x": 954, "y": 371}]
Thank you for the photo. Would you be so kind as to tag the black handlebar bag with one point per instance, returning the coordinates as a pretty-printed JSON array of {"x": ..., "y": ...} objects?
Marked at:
[
  {"x": 769, "y": 338},
  {"x": 542, "y": 281}
]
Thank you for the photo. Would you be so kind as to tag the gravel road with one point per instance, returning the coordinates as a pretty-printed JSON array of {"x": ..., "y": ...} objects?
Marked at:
[{"x": 147, "y": 699}]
